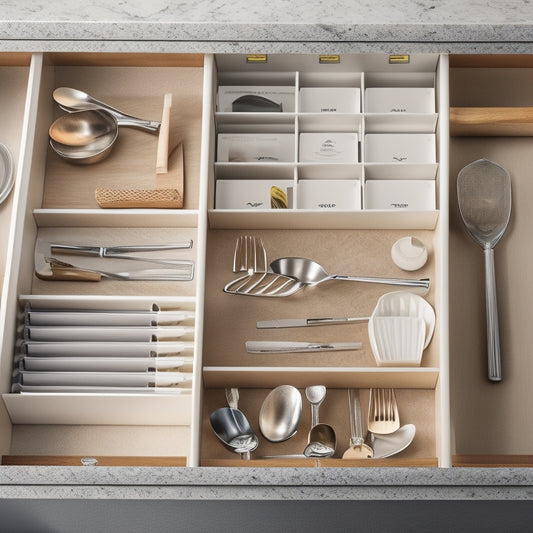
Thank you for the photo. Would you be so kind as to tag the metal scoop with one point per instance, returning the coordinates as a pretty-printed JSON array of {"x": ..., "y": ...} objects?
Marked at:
[
  {"x": 233, "y": 429},
  {"x": 309, "y": 272},
  {"x": 484, "y": 197},
  {"x": 322, "y": 440},
  {"x": 74, "y": 100}
]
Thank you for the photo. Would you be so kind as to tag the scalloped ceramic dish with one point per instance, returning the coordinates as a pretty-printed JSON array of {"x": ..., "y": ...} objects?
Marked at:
[{"x": 7, "y": 175}]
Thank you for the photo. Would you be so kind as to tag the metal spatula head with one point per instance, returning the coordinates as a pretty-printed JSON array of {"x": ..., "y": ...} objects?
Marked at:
[
  {"x": 484, "y": 197},
  {"x": 264, "y": 284}
]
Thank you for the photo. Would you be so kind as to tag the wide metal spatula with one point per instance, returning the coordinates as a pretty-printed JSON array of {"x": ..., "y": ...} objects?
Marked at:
[{"x": 484, "y": 197}]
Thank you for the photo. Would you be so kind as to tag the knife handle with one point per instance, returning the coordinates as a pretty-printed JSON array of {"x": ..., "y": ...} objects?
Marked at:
[
  {"x": 69, "y": 274},
  {"x": 73, "y": 249}
]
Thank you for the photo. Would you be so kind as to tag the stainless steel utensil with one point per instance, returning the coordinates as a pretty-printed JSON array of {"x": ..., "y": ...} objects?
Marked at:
[
  {"x": 264, "y": 284},
  {"x": 484, "y": 197},
  {"x": 309, "y": 272},
  {"x": 358, "y": 449},
  {"x": 303, "y": 322},
  {"x": 322, "y": 440},
  {"x": 75, "y": 100},
  {"x": 298, "y": 347},
  {"x": 233, "y": 429},
  {"x": 120, "y": 252},
  {"x": 84, "y": 137},
  {"x": 383, "y": 415},
  {"x": 61, "y": 271},
  {"x": 280, "y": 413},
  {"x": 249, "y": 255}
]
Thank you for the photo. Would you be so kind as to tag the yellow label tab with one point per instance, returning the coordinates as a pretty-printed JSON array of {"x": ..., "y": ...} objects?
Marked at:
[
  {"x": 329, "y": 58},
  {"x": 256, "y": 58},
  {"x": 393, "y": 59}
]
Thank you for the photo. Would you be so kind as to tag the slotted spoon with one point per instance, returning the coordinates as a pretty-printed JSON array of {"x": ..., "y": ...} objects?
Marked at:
[{"x": 484, "y": 197}]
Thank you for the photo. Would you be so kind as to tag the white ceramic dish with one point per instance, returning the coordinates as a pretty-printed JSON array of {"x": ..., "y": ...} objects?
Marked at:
[
  {"x": 388, "y": 445},
  {"x": 397, "y": 340},
  {"x": 403, "y": 303},
  {"x": 7, "y": 174}
]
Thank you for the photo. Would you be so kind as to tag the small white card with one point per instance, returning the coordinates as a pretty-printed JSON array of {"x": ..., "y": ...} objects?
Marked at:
[
  {"x": 400, "y": 148},
  {"x": 330, "y": 100},
  {"x": 252, "y": 194},
  {"x": 255, "y": 147},
  {"x": 234, "y": 98},
  {"x": 329, "y": 195},
  {"x": 401, "y": 195},
  {"x": 329, "y": 147},
  {"x": 400, "y": 100}
]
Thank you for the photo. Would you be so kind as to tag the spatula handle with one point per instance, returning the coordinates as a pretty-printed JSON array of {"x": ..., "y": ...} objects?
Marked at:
[{"x": 493, "y": 330}]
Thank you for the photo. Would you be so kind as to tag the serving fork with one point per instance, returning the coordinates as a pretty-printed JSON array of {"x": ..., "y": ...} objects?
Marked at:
[
  {"x": 383, "y": 415},
  {"x": 249, "y": 255}
]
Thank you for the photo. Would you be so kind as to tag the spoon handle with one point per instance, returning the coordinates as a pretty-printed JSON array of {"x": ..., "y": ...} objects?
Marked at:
[
  {"x": 421, "y": 283},
  {"x": 493, "y": 332}
]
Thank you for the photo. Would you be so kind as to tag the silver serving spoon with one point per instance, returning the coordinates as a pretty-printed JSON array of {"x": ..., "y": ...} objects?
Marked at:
[
  {"x": 309, "y": 272},
  {"x": 484, "y": 197},
  {"x": 322, "y": 440},
  {"x": 280, "y": 413},
  {"x": 74, "y": 100}
]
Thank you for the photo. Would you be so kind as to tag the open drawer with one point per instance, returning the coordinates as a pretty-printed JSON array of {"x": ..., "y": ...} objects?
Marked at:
[
  {"x": 348, "y": 240},
  {"x": 54, "y": 201},
  {"x": 488, "y": 418}
]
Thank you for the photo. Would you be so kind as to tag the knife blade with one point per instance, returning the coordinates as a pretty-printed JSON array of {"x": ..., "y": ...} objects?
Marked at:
[
  {"x": 297, "y": 347},
  {"x": 302, "y": 322}
]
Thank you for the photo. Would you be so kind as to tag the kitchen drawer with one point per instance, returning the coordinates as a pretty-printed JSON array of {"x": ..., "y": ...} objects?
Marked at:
[
  {"x": 55, "y": 201},
  {"x": 488, "y": 418},
  {"x": 346, "y": 241}
]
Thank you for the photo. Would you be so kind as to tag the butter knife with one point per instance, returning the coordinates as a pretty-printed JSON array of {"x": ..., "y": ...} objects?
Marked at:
[
  {"x": 297, "y": 347},
  {"x": 302, "y": 322}
]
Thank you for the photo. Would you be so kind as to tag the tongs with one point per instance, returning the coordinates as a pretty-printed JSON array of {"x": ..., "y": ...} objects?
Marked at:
[
  {"x": 61, "y": 271},
  {"x": 122, "y": 252}
]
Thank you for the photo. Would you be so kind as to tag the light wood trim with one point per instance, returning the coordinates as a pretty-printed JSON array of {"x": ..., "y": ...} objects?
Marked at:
[
  {"x": 15, "y": 59},
  {"x": 522, "y": 461},
  {"x": 491, "y": 121},
  {"x": 75, "y": 460},
  {"x": 491, "y": 61},
  {"x": 124, "y": 60},
  {"x": 310, "y": 462}
]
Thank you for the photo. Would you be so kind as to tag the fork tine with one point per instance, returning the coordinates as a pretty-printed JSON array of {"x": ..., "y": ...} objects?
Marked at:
[{"x": 383, "y": 415}]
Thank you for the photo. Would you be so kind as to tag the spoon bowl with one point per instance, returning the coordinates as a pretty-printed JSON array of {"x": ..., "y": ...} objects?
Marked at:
[
  {"x": 322, "y": 441},
  {"x": 280, "y": 413},
  {"x": 309, "y": 272},
  {"x": 84, "y": 137},
  {"x": 233, "y": 429}
]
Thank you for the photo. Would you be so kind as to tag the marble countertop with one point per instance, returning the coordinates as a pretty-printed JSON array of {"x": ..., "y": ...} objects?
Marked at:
[{"x": 252, "y": 25}]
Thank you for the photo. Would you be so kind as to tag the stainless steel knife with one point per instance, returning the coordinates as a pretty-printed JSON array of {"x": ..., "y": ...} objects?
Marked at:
[
  {"x": 302, "y": 322},
  {"x": 115, "y": 251},
  {"x": 296, "y": 347}
]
